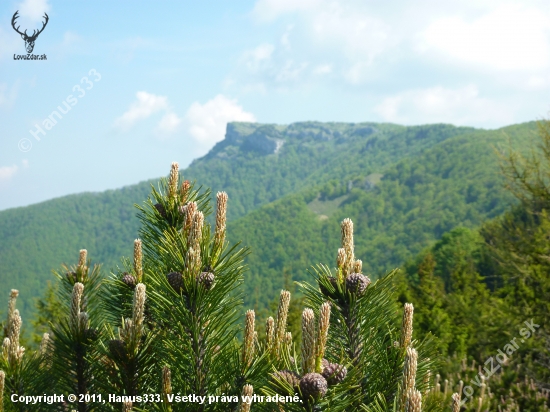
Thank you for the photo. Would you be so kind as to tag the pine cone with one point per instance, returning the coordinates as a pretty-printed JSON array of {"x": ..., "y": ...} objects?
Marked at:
[
  {"x": 162, "y": 211},
  {"x": 357, "y": 283},
  {"x": 176, "y": 281},
  {"x": 130, "y": 280},
  {"x": 313, "y": 386},
  {"x": 207, "y": 279},
  {"x": 117, "y": 348},
  {"x": 333, "y": 281},
  {"x": 91, "y": 334},
  {"x": 292, "y": 378},
  {"x": 333, "y": 372}
]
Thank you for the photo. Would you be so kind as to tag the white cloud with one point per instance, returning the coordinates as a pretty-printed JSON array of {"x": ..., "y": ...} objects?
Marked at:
[
  {"x": 267, "y": 65},
  {"x": 344, "y": 31},
  {"x": 169, "y": 124},
  {"x": 463, "y": 106},
  {"x": 145, "y": 106},
  {"x": 206, "y": 123},
  {"x": 33, "y": 9},
  {"x": 362, "y": 41},
  {"x": 7, "y": 172},
  {"x": 509, "y": 37},
  {"x": 358, "y": 34}
]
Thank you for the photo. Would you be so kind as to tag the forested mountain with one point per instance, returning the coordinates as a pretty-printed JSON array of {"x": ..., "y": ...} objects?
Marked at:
[
  {"x": 258, "y": 164},
  {"x": 454, "y": 183},
  {"x": 289, "y": 186}
]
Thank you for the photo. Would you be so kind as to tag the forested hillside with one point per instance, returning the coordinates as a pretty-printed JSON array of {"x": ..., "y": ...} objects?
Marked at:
[
  {"x": 479, "y": 291},
  {"x": 432, "y": 178},
  {"x": 455, "y": 183}
]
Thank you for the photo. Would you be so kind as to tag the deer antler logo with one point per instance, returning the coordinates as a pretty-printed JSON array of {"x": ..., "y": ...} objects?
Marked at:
[{"x": 29, "y": 40}]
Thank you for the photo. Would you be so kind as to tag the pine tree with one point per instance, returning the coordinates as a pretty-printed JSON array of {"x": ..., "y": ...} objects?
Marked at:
[
  {"x": 192, "y": 278},
  {"x": 355, "y": 357},
  {"x": 518, "y": 248},
  {"x": 20, "y": 372},
  {"x": 167, "y": 323}
]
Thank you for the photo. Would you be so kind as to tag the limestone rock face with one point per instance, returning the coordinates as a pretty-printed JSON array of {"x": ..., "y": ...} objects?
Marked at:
[{"x": 265, "y": 140}]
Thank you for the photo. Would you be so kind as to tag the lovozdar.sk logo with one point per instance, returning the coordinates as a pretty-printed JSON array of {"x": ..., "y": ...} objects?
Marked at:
[{"x": 29, "y": 40}]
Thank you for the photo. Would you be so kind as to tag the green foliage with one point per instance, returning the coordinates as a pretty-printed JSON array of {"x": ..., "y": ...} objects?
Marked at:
[
  {"x": 176, "y": 311},
  {"x": 509, "y": 389},
  {"x": 427, "y": 292},
  {"x": 482, "y": 289},
  {"x": 518, "y": 248},
  {"x": 457, "y": 306},
  {"x": 48, "y": 309}
]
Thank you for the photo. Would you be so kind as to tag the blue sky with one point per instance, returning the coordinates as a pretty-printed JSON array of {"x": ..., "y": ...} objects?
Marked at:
[{"x": 170, "y": 75}]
